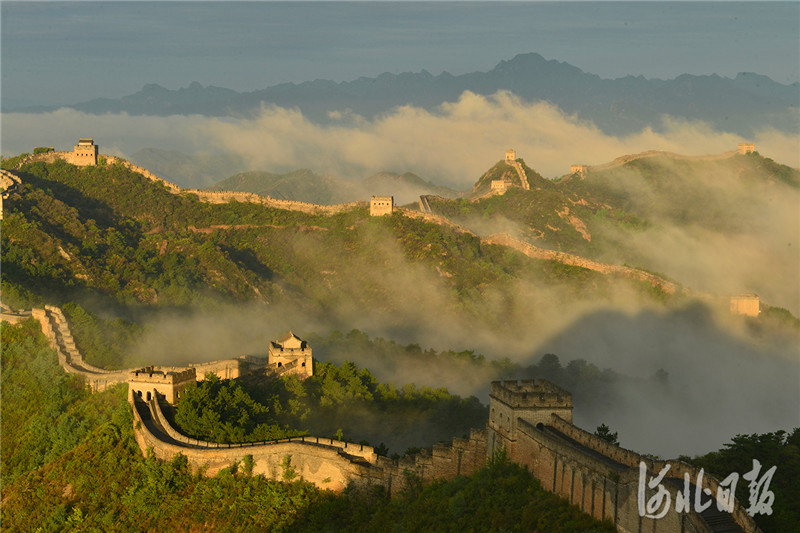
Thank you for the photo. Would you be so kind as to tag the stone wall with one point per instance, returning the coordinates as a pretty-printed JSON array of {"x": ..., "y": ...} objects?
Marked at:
[
  {"x": 228, "y": 368},
  {"x": 745, "y": 304},
  {"x": 443, "y": 461},
  {"x": 603, "y": 479},
  {"x": 381, "y": 205},
  {"x": 523, "y": 178},
  {"x": 328, "y": 463},
  {"x": 618, "y": 162},
  {"x": 504, "y": 239},
  {"x": 55, "y": 328}
]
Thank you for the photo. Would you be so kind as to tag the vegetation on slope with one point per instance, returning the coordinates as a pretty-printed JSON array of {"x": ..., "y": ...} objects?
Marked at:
[
  {"x": 119, "y": 245},
  {"x": 342, "y": 402},
  {"x": 779, "y": 449},
  {"x": 302, "y": 185},
  {"x": 70, "y": 463},
  {"x": 86, "y": 473}
]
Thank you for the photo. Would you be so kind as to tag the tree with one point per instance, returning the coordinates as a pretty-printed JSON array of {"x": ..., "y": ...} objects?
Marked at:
[{"x": 604, "y": 432}]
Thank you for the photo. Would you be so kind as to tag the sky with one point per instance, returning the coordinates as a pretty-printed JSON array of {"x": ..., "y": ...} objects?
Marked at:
[{"x": 69, "y": 52}]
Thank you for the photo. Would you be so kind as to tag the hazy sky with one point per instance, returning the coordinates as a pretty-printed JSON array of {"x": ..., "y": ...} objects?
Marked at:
[{"x": 66, "y": 52}]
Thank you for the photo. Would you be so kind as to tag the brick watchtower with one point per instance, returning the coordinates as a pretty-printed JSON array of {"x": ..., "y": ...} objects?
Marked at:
[
  {"x": 85, "y": 153},
  {"x": 528, "y": 400}
]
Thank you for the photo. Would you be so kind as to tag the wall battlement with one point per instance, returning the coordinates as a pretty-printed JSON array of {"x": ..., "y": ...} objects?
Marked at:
[
  {"x": 531, "y": 420},
  {"x": 160, "y": 374},
  {"x": 530, "y": 393}
]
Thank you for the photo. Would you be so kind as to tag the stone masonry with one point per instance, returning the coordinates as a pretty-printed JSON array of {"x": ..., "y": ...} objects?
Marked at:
[{"x": 532, "y": 422}]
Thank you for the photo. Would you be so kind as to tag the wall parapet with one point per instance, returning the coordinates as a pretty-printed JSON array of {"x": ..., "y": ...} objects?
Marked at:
[
  {"x": 530, "y": 393},
  {"x": 505, "y": 239},
  {"x": 632, "y": 459},
  {"x": 363, "y": 451}
]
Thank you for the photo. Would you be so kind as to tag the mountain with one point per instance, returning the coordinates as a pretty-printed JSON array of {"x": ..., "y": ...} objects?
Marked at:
[
  {"x": 300, "y": 185},
  {"x": 192, "y": 171},
  {"x": 692, "y": 218},
  {"x": 741, "y": 105},
  {"x": 111, "y": 237},
  {"x": 307, "y": 186},
  {"x": 502, "y": 171},
  {"x": 406, "y": 187}
]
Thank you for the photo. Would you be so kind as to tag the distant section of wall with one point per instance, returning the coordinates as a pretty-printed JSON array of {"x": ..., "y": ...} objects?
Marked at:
[
  {"x": 504, "y": 239},
  {"x": 618, "y": 162},
  {"x": 431, "y": 217},
  {"x": 745, "y": 304},
  {"x": 222, "y": 197},
  {"x": 381, "y": 205},
  {"x": 745, "y": 148}
]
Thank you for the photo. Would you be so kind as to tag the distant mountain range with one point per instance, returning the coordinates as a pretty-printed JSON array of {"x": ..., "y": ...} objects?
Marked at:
[{"x": 741, "y": 105}]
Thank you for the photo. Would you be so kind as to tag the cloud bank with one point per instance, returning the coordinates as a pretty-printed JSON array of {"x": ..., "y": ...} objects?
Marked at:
[{"x": 452, "y": 146}]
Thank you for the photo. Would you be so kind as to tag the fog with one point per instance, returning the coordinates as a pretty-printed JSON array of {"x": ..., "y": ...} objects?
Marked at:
[
  {"x": 723, "y": 378},
  {"x": 451, "y": 146}
]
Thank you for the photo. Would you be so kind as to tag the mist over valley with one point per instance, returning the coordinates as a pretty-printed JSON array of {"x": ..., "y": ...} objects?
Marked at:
[{"x": 311, "y": 290}]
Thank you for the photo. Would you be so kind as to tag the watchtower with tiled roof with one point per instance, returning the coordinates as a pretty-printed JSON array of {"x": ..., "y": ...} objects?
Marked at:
[{"x": 291, "y": 354}]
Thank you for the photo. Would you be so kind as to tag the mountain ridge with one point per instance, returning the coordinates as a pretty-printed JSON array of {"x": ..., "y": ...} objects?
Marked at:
[{"x": 741, "y": 104}]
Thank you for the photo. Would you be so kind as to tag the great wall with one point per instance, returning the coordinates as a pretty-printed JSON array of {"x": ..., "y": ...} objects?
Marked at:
[
  {"x": 425, "y": 212},
  {"x": 530, "y": 421},
  {"x": 504, "y": 239}
]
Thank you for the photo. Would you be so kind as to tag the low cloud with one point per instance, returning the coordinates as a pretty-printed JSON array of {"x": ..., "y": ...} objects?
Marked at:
[
  {"x": 452, "y": 146},
  {"x": 722, "y": 379}
]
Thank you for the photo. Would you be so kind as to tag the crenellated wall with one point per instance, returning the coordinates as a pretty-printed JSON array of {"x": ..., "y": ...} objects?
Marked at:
[
  {"x": 221, "y": 197},
  {"x": 530, "y": 420},
  {"x": 597, "y": 476},
  {"x": 56, "y": 329},
  {"x": 328, "y": 463}
]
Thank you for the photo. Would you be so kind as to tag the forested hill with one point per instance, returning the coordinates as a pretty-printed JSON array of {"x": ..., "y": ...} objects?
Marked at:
[
  {"x": 128, "y": 241},
  {"x": 122, "y": 236},
  {"x": 689, "y": 218}
]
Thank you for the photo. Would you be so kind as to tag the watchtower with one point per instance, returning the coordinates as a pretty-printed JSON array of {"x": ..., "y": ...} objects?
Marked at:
[
  {"x": 291, "y": 354},
  {"x": 527, "y": 400},
  {"x": 745, "y": 304},
  {"x": 381, "y": 205},
  {"x": 167, "y": 381},
  {"x": 85, "y": 153},
  {"x": 580, "y": 170},
  {"x": 745, "y": 148},
  {"x": 511, "y": 155}
]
